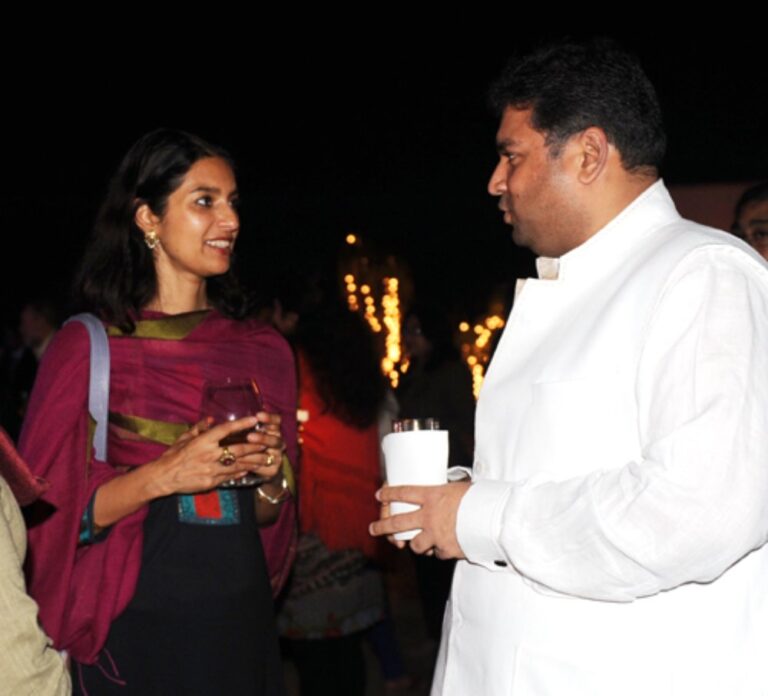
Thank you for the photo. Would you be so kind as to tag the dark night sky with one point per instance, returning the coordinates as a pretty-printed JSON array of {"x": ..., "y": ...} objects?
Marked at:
[{"x": 391, "y": 141}]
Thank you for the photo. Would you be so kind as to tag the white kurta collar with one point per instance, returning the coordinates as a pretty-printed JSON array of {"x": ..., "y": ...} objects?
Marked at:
[{"x": 609, "y": 245}]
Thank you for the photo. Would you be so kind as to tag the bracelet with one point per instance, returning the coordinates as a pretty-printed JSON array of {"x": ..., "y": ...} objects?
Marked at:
[{"x": 279, "y": 498}]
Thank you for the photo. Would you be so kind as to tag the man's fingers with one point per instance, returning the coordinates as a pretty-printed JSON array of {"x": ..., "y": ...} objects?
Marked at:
[
  {"x": 423, "y": 544},
  {"x": 397, "y": 542},
  {"x": 396, "y": 523},
  {"x": 403, "y": 494}
]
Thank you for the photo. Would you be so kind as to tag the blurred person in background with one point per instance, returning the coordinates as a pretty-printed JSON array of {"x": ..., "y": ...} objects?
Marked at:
[
  {"x": 438, "y": 385},
  {"x": 336, "y": 592},
  {"x": 750, "y": 218}
]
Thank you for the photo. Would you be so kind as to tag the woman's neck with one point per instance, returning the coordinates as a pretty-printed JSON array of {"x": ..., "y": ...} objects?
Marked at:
[{"x": 179, "y": 296}]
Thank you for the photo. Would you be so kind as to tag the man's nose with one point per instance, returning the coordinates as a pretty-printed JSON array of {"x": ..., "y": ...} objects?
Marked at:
[{"x": 497, "y": 184}]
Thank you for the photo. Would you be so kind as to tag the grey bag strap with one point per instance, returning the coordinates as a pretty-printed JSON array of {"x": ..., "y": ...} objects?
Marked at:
[{"x": 98, "y": 388}]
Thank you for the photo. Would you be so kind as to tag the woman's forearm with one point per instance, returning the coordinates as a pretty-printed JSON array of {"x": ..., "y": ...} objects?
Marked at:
[{"x": 124, "y": 495}]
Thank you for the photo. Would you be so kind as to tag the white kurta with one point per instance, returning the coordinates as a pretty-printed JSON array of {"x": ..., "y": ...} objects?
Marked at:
[{"x": 616, "y": 524}]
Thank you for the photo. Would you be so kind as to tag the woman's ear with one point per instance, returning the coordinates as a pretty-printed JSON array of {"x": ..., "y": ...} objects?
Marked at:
[{"x": 145, "y": 219}]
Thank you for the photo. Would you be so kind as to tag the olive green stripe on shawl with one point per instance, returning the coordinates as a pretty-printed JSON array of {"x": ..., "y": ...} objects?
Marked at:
[
  {"x": 168, "y": 328},
  {"x": 156, "y": 431},
  {"x": 290, "y": 477}
]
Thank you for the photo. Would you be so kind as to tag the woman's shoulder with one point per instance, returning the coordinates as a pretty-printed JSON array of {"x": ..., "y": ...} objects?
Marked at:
[
  {"x": 258, "y": 332},
  {"x": 70, "y": 344}
]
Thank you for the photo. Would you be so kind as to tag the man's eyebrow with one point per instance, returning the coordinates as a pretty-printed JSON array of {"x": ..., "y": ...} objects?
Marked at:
[
  {"x": 757, "y": 221},
  {"x": 504, "y": 145}
]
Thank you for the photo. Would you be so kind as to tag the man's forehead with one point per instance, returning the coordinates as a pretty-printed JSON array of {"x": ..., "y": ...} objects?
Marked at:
[
  {"x": 515, "y": 127},
  {"x": 755, "y": 213}
]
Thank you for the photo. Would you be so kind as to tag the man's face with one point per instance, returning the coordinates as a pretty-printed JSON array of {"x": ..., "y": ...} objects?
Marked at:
[
  {"x": 752, "y": 226},
  {"x": 534, "y": 189}
]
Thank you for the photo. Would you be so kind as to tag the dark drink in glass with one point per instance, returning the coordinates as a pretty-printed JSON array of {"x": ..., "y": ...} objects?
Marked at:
[{"x": 229, "y": 400}]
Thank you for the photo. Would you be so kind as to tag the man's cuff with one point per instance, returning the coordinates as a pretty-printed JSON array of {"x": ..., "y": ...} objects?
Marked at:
[{"x": 478, "y": 523}]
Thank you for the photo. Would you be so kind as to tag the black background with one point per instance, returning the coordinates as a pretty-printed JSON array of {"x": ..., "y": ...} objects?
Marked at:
[{"x": 377, "y": 131}]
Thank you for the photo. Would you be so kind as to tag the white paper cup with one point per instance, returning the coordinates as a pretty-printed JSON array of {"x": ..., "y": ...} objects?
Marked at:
[{"x": 415, "y": 458}]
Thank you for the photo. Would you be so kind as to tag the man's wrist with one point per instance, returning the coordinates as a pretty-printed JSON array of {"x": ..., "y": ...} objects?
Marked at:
[{"x": 478, "y": 522}]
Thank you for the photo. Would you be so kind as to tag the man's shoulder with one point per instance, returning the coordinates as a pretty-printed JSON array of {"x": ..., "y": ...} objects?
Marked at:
[{"x": 683, "y": 242}]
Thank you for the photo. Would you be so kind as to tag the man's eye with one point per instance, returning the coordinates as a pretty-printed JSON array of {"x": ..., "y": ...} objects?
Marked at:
[{"x": 760, "y": 234}]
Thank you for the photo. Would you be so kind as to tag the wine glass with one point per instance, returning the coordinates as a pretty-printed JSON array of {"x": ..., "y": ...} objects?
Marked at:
[{"x": 228, "y": 400}]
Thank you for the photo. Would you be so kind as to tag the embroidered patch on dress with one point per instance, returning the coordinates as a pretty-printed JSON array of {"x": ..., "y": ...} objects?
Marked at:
[{"x": 214, "y": 507}]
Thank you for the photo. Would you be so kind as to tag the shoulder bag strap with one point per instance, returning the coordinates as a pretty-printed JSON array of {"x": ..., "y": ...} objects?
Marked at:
[{"x": 98, "y": 388}]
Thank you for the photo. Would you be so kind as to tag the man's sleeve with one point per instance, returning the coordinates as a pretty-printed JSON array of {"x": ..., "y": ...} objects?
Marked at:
[
  {"x": 697, "y": 499},
  {"x": 28, "y": 662}
]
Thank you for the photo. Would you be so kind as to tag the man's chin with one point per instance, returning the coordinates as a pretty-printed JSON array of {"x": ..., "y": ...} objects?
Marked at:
[
  {"x": 518, "y": 236},
  {"x": 523, "y": 239}
]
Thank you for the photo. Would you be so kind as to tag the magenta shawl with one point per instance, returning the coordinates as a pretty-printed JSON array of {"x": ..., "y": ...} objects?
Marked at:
[{"x": 81, "y": 590}]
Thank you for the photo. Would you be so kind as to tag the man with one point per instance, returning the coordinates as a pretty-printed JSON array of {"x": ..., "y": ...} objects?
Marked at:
[
  {"x": 613, "y": 532},
  {"x": 750, "y": 218}
]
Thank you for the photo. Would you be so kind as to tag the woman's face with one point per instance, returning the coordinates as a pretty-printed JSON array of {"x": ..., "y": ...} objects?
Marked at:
[{"x": 198, "y": 229}]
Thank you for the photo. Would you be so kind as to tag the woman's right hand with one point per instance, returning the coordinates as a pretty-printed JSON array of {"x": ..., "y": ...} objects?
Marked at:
[
  {"x": 192, "y": 464},
  {"x": 196, "y": 461}
]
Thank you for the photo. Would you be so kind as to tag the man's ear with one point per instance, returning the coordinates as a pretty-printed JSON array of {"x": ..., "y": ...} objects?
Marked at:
[
  {"x": 145, "y": 219},
  {"x": 593, "y": 150}
]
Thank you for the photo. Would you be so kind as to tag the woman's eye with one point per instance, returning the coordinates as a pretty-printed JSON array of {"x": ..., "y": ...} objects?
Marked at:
[{"x": 205, "y": 201}]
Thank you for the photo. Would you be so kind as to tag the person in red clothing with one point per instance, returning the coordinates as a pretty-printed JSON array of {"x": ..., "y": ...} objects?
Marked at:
[{"x": 336, "y": 592}]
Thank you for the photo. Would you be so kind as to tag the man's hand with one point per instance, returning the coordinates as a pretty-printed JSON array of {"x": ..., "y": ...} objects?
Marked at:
[{"x": 436, "y": 517}]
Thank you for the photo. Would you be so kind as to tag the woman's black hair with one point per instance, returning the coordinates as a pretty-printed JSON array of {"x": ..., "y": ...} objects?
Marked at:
[
  {"x": 340, "y": 350},
  {"x": 117, "y": 278}
]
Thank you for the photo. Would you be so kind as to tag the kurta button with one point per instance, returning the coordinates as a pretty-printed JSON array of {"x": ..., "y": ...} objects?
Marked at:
[{"x": 501, "y": 564}]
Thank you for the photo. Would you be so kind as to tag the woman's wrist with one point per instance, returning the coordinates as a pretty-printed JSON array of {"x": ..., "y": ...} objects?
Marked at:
[
  {"x": 279, "y": 497},
  {"x": 276, "y": 489},
  {"x": 123, "y": 495},
  {"x": 151, "y": 483}
]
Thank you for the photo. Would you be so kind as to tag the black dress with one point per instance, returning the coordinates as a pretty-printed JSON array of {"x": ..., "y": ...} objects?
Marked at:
[{"x": 201, "y": 621}]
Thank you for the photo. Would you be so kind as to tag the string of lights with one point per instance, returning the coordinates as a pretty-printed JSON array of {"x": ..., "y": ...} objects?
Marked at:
[{"x": 377, "y": 297}]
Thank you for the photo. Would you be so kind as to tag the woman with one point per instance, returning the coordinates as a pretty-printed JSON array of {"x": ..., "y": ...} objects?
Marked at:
[{"x": 167, "y": 589}]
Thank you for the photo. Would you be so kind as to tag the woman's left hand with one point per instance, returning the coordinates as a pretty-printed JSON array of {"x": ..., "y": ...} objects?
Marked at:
[{"x": 267, "y": 463}]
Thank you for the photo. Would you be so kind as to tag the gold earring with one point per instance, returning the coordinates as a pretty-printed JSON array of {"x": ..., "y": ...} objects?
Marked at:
[{"x": 151, "y": 240}]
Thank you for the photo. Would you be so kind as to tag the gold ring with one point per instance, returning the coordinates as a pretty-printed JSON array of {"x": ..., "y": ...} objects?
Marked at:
[
  {"x": 226, "y": 458},
  {"x": 270, "y": 459}
]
